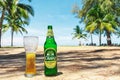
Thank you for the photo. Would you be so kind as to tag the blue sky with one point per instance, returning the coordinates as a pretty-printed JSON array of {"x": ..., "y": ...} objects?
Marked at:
[{"x": 51, "y": 12}]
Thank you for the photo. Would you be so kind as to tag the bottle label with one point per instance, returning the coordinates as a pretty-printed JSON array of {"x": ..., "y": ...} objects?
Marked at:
[
  {"x": 50, "y": 58},
  {"x": 50, "y": 32}
]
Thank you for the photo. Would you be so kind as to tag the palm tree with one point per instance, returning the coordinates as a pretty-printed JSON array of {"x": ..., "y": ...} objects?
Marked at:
[
  {"x": 93, "y": 21},
  {"x": 17, "y": 17},
  {"x": 93, "y": 14},
  {"x": 101, "y": 24},
  {"x": 110, "y": 26},
  {"x": 5, "y": 8},
  {"x": 108, "y": 6},
  {"x": 16, "y": 25},
  {"x": 22, "y": 17},
  {"x": 78, "y": 33},
  {"x": 2, "y": 9}
]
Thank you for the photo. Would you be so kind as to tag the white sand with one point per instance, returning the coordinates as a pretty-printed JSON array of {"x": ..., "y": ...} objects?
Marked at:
[{"x": 74, "y": 63}]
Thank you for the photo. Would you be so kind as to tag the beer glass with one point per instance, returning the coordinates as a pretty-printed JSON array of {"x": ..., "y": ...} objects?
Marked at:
[{"x": 30, "y": 45}]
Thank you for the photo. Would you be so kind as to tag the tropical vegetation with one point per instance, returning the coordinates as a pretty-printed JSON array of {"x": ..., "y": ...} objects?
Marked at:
[
  {"x": 100, "y": 17},
  {"x": 79, "y": 33},
  {"x": 16, "y": 15}
]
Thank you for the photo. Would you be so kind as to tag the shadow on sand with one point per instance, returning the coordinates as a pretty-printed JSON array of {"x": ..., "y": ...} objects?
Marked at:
[{"x": 79, "y": 60}]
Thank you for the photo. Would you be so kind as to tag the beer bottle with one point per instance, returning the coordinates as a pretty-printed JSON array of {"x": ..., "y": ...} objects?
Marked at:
[{"x": 50, "y": 56}]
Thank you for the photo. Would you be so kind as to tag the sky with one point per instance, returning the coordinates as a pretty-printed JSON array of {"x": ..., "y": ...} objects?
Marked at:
[{"x": 56, "y": 13}]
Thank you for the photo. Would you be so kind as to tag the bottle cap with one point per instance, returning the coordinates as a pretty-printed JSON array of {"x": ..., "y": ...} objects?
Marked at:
[{"x": 49, "y": 26}]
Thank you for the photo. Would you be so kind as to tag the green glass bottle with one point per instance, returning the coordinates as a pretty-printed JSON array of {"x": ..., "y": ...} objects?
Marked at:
[{"x": 50, "y": 56}]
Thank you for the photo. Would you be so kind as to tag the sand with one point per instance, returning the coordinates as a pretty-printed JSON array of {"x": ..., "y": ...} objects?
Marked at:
[{"x": 74, "y": 63}]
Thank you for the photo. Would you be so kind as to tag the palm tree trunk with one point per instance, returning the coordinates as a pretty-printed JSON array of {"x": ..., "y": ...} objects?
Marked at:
[
  {"x": 108, "y": 39},
  {"x": 1, "y": 22},
  {"x": 0, "y": 33},
  {"x": 80, "y": 43},
  {"x": 12, "y": 33},
  {"x": 100, "y": 39},
  {"x": 91, "y": 39}
]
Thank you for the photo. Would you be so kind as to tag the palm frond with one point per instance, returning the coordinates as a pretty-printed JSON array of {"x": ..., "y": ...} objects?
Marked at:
[
  {"x": 5, "y": 28},
  {"x": 109, "y": 27},
  {"x": 26, "y": 7},
  {"x": 78, "y": 33},
  {"x": 91, "y": 27}
]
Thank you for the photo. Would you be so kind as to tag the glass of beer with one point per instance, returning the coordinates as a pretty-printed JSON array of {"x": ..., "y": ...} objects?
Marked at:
[{"x": 30, "y": 45}]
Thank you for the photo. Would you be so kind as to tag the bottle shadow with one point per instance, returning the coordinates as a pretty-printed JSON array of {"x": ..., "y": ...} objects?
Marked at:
[{"x": 58, "y": 74}]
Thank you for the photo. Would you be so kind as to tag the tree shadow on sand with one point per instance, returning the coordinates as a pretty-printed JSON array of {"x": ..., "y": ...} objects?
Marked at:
[
  {"x": 72, "y": 61},
  {"x": 13, "y": 63},
  {"x": 84, "y": 60}
]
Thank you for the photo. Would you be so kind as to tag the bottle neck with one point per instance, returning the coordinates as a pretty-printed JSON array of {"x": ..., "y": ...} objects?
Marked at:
[{"x": 50, "y": 33}]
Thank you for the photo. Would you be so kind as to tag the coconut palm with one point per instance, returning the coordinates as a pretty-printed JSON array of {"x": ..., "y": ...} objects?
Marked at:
[
  {"x": 79, "y": 33},
  {"x": 17, "y": 17},
  {"x": 108, "y": 6},
  {"x": 19, "y": 14},
  {"x": 2, "y": 9},
  {"x": 100, "y": 23},
  {"x": 93, "y": 21},
  {"x": 110, "y": 26},
  {"x": 6, "y": 6},
  {"x": 15, "y": 25},
  {"x": 93, "y": 14}
]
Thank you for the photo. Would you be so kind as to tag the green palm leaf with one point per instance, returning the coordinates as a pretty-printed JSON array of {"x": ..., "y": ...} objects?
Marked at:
[
  {"x": 26, "y": 7},
  {"x": 108, "y": 27},
  {"x": 78, "y": 33},
  {"x": 5, "y": 28},
  {"x": 91, "y": 27}
]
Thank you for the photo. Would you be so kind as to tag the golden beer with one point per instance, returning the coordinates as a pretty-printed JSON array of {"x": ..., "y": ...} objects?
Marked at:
[{"x": 30, "y": 63}]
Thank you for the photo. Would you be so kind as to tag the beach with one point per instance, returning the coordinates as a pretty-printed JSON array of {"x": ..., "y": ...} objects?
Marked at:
[{"x": 74, "y": 63}]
